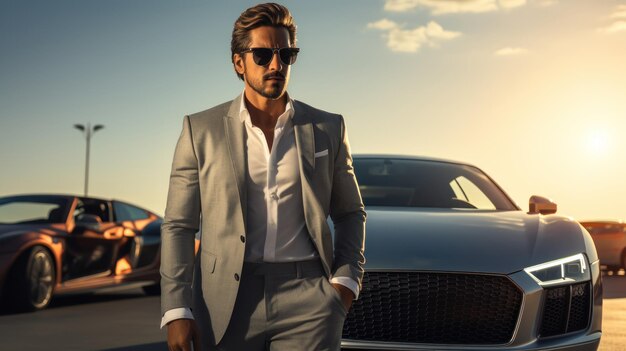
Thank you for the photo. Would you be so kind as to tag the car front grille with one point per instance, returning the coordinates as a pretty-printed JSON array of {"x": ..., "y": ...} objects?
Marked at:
[
  {"x": 566, "y": 309},
  {"x": 438, "y": 308}
]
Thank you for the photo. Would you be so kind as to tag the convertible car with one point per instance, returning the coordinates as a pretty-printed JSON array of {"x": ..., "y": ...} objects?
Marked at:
[
  {"x": 63, "y": 243},
  {"x": 454, "y": 264}
]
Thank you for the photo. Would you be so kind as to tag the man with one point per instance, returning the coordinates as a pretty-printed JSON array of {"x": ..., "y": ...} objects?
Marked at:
[{"x": 264, "y": 171}]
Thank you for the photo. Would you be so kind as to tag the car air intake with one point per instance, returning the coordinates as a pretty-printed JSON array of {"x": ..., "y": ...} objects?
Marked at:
[
  {"x": 438, "y": 308},
  {"x": 566, "y": 309}
]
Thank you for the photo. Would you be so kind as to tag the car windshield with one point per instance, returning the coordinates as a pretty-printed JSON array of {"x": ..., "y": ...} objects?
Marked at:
[
  {"x": 32, "y": 210},
  {"x": 428, "y": 184}
]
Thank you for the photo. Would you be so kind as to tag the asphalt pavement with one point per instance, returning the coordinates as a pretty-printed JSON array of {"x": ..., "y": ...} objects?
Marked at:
[
  {"x": 614, "y": 313},
  {"x": 125, "y": 320},
  {"x": 112, "y": 321}
]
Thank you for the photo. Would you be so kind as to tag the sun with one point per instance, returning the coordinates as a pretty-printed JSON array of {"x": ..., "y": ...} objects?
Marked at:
[{"x": 598, "y": 142}]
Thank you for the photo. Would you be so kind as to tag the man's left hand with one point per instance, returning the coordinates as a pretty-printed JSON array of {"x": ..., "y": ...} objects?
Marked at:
[{"x": 346, "y": 295}]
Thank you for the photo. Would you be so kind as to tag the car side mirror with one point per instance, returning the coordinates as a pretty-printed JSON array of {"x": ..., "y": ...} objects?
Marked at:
[
  {"x": 540, "y": 204},
  {"x": 88, "y": 221}
]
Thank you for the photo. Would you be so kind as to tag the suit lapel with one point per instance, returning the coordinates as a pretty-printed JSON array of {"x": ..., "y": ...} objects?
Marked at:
[
  {"x": 305, "y": 141},
  {"x": 236, "y": 146},
  {"x": 313, "y": 213}
]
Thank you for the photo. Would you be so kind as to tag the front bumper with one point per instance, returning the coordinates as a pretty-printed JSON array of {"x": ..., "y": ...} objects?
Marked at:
[
  {"x": 526, "y": 335},
  {"x": 589, "y": 342}
]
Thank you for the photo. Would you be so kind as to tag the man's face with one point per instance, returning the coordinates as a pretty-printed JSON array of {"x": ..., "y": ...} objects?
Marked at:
[{"x": 268, "y": 81}]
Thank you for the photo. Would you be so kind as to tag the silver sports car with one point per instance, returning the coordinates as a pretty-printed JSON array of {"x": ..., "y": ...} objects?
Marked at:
[{"x": 454, "y": 264}]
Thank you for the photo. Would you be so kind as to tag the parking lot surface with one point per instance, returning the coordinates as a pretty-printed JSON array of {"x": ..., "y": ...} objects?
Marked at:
[{"x": 117, "y": 320}]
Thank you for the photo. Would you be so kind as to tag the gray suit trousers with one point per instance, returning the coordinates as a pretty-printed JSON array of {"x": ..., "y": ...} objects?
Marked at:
[{"x": 284, "y": 306}]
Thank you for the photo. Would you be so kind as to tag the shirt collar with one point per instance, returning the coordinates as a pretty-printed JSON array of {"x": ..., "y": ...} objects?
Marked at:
[{"x": 244, "y": 114}]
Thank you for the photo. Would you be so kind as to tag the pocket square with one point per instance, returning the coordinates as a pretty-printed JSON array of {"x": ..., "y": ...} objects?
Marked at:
[{"x": 321, "y": 153}]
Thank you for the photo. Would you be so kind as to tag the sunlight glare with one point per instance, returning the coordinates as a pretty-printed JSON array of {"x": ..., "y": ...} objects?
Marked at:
[{"x": 598, "y": 142}]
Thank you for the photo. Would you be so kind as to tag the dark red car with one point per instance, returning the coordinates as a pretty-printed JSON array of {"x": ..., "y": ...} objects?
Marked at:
[{"x": 55, "y": 244}]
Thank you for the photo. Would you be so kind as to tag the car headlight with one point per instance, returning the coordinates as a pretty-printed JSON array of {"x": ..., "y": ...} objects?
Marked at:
[{"x": 568, "y": 269}]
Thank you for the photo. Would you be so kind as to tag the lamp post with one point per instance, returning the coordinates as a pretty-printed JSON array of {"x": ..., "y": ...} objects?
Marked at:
[{"x": 88, "y": 131}]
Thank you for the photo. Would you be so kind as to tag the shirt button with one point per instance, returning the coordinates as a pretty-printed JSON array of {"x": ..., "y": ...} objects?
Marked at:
[
  {"x": 243, "y": 239},
  {"x": 236, "y": 277}
]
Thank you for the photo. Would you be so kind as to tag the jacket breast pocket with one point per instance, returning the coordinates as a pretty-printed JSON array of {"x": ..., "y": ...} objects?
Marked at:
[
  {"x": 322, "y": 162},
  {"x": 321, "y": 153}
]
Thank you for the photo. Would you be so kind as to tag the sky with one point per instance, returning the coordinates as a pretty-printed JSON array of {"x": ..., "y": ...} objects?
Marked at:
[{"x": 533, "y": 92}]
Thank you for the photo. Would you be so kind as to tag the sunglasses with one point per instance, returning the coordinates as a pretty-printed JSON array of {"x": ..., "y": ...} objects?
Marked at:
[{"x": 263, "y": 56}]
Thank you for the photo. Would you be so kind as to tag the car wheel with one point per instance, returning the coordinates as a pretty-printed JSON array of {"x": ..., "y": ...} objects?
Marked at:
[
  {"x": 34, "y": 279},
  {"x": 152, "y": 290}
]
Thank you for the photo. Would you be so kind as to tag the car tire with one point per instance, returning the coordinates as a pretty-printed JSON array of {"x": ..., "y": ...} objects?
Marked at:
[
  {"x": 152, "y": 290},
  {"x": 34, "y": 277}
]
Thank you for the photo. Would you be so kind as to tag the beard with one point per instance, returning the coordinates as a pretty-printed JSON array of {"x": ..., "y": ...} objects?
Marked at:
[{"x": 268, "y": 89}]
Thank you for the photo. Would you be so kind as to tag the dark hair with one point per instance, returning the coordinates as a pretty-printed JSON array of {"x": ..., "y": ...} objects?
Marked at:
[{"x": 270, "y": 14}]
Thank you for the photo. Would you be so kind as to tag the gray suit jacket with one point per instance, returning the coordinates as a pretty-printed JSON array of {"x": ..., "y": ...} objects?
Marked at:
[{"x": 208, "y": 178}]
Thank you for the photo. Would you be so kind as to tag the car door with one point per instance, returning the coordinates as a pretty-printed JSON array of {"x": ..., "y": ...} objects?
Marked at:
[
  {"x": 93, "y": 245},
  {"x": 143, "y": 229}
]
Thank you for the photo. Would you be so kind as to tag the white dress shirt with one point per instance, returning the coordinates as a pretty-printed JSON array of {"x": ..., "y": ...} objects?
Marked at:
[{"x": 276, "y": 228}]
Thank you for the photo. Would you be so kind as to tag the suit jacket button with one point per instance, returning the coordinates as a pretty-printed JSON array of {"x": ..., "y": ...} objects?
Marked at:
[
  {"x": 236, "y": 277},
  {"x": 243, "y": 239}
]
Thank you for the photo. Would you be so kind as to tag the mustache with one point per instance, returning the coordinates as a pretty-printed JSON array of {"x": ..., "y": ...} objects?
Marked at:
[{"x": 273, "y": 75}]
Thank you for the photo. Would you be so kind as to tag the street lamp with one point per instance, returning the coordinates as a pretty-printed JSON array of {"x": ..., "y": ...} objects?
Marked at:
[{"x": 88, "y": 131}]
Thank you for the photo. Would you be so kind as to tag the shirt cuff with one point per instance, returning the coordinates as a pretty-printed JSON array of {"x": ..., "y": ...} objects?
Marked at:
[
  {"x": 348, "y": 283},
  {"x": 174, "y": 314}
]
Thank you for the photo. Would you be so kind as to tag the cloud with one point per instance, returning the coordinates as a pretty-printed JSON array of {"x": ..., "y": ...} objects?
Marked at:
[
  {"x": 400, "y": 5},
  {"x": 545, "y": 3},
  {"x": 411, "y": 40},
  {"x": 615, "y": 27},
  {"x": 442, "y": 7},
  {"x": 435, "y": 31},
  {"x": 620, "y": 12},
  {"x": 439, "y": 7},
  {"x": 510, "y": 51},
  {"x": 383, "y": 24},
  {"x": 509, "y": 4},
  {"x": 619, "y": 21}
]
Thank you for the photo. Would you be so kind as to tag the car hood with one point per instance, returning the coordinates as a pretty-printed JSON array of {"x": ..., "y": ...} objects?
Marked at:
[{"x": 500, "y": 242}]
